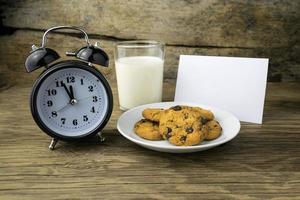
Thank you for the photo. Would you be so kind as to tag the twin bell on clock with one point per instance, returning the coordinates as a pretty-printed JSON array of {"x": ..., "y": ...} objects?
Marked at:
[{"x": 70, "y": 99}]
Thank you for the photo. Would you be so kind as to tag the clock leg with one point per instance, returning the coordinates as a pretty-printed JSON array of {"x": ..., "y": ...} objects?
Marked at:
[
  {"x": 53, "y": 143},
  {"x": 100, "y": 136}
]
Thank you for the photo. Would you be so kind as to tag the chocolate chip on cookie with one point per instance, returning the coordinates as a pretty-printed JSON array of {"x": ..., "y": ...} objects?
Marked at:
[
  {"x": 189, "y": 130},
  {"x": 183, "y": 138},
  {"x": 203, "y": 120},
  {"x": 168, "y": 135},
  {"x": 169, "y": 132},
  {"x": 176, "y": 108}
]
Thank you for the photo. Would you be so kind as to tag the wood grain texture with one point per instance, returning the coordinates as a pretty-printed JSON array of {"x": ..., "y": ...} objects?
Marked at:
[
  {"x": 232, "y": 23},
  {"x": 216, "y": 27},
  {"x": 261, "y": 163},
  {"x": 15, "y": 48}
]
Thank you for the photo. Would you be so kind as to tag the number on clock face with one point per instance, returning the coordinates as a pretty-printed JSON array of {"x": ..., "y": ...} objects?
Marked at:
[{"x": 72, "y": 101}]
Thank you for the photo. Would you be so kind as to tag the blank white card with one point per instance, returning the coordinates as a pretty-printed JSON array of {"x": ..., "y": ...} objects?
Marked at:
[{"x": 234, "y": 84}]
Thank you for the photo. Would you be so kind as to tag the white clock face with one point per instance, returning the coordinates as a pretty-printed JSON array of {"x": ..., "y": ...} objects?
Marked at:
[{"x": 72, "y": 102}]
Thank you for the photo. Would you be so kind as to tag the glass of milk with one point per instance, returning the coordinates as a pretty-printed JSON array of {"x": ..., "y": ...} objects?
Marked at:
[{"x": 139, "y": 68}]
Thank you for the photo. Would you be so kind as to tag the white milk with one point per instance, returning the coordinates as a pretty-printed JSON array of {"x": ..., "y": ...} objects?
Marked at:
[{"x": 139, "y": 80}]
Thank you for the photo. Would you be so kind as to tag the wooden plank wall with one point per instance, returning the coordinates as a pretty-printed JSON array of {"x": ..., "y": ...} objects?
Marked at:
[{"x": 256, "y": 28}]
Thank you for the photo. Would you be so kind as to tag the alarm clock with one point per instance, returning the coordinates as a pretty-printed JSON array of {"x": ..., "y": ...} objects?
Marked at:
[{"x": 70, "y": 99}]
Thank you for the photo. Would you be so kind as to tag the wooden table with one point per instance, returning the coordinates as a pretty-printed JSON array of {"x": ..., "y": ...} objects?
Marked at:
[{"x": 262, "y": 162}]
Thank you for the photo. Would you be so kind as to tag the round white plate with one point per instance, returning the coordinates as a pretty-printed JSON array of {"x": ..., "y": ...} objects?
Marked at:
[{"x": 229, "y": 123}]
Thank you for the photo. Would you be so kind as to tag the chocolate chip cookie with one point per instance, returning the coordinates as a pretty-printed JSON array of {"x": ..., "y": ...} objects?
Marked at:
[
  {"x": 152, "y": 114},
  {"x": 214, "y": 130},
  {"x": 147, "y": 130},
  {"x": 206, "y": 114},
  {"x": 186, "y": 135},
  {"x": 180, "y": 125},
  {"x": 176, "y": 118}
]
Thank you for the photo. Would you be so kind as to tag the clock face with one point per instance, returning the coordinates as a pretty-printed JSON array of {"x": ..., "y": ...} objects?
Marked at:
[{"x": 71, "y": 102}]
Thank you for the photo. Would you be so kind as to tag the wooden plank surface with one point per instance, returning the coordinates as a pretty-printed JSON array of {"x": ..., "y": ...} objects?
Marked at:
[
  {"x": 231, "y": 23},
  {"x": 261, "y": 163},
  {"x": 216, "y": 27},
  {"x": 15, "y": 48}
]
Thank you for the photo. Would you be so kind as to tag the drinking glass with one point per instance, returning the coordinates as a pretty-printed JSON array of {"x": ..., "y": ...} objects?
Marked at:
[{"x": 139, "y": 69}]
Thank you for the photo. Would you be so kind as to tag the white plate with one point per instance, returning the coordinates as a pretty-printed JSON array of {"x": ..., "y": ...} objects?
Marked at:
[{"x": 229, "y": 123}]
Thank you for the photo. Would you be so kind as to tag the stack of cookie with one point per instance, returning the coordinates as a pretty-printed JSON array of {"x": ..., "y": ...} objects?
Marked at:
[{"x": 180, "y": 125}]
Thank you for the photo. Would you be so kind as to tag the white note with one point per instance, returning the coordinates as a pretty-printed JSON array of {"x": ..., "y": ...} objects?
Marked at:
[{"x": 235, "y": 84}]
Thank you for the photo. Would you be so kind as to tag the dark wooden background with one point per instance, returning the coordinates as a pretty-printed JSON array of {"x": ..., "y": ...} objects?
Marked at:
[{"x": 256, "y": 28}]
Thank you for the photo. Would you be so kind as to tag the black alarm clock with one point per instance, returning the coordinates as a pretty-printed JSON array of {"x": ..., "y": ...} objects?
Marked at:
[{"x": 70, "y": 99}]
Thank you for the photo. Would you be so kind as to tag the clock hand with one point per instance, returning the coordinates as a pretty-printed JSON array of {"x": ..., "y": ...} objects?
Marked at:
[
  {"x": 63, "y": 107},
  {"x": 68, "y": 92},
  {"x": 71, "y": 102},
  {"x": 84, "y": 98},
  {"x": 71, "y": 92}
]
